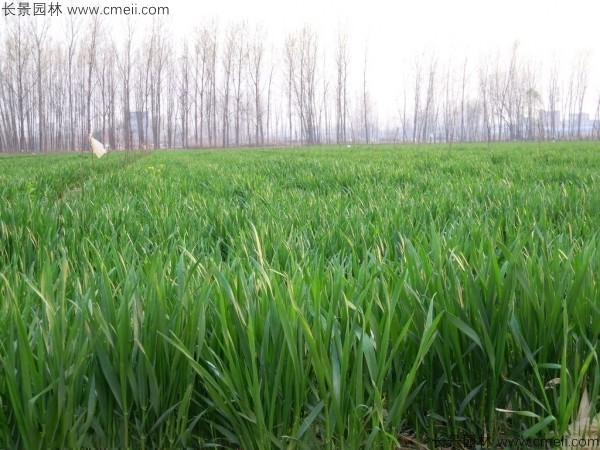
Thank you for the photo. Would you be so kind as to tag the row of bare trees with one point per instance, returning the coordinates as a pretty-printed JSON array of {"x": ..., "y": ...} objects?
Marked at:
[
  {"x": 505, "y": 97},
  {"x": 232, "y": 86}
]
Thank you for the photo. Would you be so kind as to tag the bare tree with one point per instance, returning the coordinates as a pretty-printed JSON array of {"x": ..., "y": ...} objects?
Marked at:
[
  {"x": 240, "y": 66},
  {"x": 108, "y": 88},
  {"x": 18, "y": 55},
  {"x": 449, "y": 115},
  {"x": 341, "y": 103},
  {"x": 231, "y": 41},
  {"x": 402, "y": 110},
  {"x": 429, "y": 112},
  {"x": 301, "y": 57},
  {"x": 157, "y": 81},
  {"x": 39, "y": 33},
  {"x": 171, "y": 94},
  {"x": 256, "y": 61},
  {"x": 72, "y": 31},
  {"x": 324, "y": 114},
  {"x": 581, "y": 74},
  {"x": 553, "y": 98},
  {"x": 532, "y": 100},
  {"x": 464, "y": 82},
  {"x": 417, "y": 99},
  {"x": 365, "y": 104},
  {"x": 269, "y": 91},
  {"x": 508, "y": 94},
  {"x": 290, "y": 51},
  {"x": 124, "y": 60},
  {"x": 306, "y": 85},
  {"x": 144, "y": 68},
  {"x": 56, "y": 90},
  {"x": 183, "y": 96},
  {"x": 212, "y": 79},
  {"x": 91, "y": 48},
  {"x": 596, "y": 128},
  {"x": 201, "y": 59}
]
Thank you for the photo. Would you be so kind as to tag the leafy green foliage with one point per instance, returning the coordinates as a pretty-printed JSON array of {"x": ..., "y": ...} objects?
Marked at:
[{"x": 301, "y": 298}]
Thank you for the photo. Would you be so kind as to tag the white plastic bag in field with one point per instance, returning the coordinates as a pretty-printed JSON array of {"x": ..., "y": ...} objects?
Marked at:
[{"x": 97, "y": 147}]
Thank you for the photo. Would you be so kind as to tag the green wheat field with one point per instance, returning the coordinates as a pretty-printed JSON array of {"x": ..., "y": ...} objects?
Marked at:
[{"x": 332, "y": 297}]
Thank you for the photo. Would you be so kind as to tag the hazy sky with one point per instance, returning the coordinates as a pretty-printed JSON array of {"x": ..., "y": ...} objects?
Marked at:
[
  {"x": 544, "y": 25},
  {"x": 547, "y": 30},
  {"x": 395, "y": 32},
  {"x": 396, "y": 28}
]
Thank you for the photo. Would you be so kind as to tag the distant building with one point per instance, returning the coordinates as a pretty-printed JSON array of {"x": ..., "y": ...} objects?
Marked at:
[
  {"x": 574, "y": 118},
  {"x": 139, "y": 122},
  {"x": 549, "y": 118},
  {"x": 550, "y": 123},
  {"x": 139, "y": 127},
  {"x": 580, "y": 124}
]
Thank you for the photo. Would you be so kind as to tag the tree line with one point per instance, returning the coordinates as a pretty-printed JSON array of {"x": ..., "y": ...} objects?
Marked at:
[{"x": 230, "y": 85}]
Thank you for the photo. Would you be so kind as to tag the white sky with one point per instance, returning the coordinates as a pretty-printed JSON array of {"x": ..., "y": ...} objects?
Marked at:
[
  {"x": 479, "y": 24},
  {"x": 397, "y": 31},
  {"x": 547, "y": 30}
]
